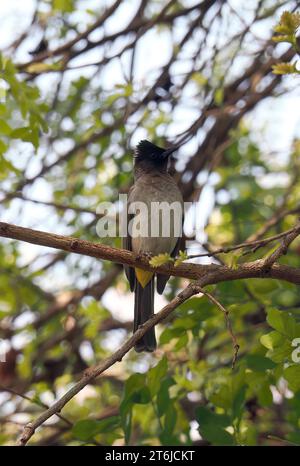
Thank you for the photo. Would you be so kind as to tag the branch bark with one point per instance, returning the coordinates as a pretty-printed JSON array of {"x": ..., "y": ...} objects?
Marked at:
[{"x": 255, "y": 269}]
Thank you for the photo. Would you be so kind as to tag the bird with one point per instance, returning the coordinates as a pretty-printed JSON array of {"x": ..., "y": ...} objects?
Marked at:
[
  {"x": 41, "y": 47},
  {"x": 152, "y": 184}
]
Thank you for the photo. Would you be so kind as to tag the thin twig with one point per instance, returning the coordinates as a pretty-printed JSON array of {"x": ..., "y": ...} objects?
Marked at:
[
  {"x": 34, "y": 401},
  {"x": 246, "y": 244},
  {"x": 283, "y": 248},
  {"x": 235, "y": 344}
]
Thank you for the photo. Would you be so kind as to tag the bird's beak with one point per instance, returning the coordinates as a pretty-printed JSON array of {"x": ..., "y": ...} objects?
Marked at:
[{"x": 170, "y": 151}]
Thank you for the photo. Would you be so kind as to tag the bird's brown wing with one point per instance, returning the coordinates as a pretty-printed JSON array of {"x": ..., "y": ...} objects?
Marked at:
[{"x": 126, "y": 244}]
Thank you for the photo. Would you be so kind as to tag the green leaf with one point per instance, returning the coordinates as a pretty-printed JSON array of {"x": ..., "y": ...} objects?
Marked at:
[
  {"x": 156, "y": 375},
  {"x": 20, "y": 133},
  {"x": 219, "y": 96},
  {"x": 4, "y": 128},
  {"x": 283, "y": 38},
  {"x": 199, "y": 79},
  {"x": 168, "y": 334},
  {"x": 163, "y": 397},
  {"x": 212, "y": 427},
  {"x": 259, "y": 363},
  {"x": 126, "y": 421},
  {"x": 2, "y": 93},
  {"x": 40, "y": 67},
  {"x": 185, "y": 322},
  {"x": 63, "y": 5},
  {"x": 182, "y": 342},
  {"x": 86, "y": 429},
  {"x": 238, "y": 403},
  {"x": 263, "y": 287},
  {"x": 285, "y": 68},
  {"x": 234, "y": 260},
  {"x": 292, "y": 375},
  {"x": 27, "y": 134},
  {"x": 6, "y": 167},
  {"x": 279, "y": 346},
  {"x": 134, "y": 385},
  {"x": 197, "y": 308},
  {"x": 264, "y": 394},
  {"x": 283, "y": 322},
  {"x": 169, "y": 424},
  {"x": 3, "y": 147},
  {"x": 182, "y": 257},
  {"x": 160, "y": 259},
  {"x": 271, "y": 340},
  {"x": 135, "y": 392},
  {"x": 289, "y": 23}
]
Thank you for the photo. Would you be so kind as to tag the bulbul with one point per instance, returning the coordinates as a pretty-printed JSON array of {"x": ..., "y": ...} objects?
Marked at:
[
  {"x": 41, "y": 47},
  {"x": 152, "y": 185}
]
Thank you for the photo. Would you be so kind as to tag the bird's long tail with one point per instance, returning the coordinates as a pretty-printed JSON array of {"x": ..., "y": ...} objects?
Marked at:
[{"x": 143, "y": 310}]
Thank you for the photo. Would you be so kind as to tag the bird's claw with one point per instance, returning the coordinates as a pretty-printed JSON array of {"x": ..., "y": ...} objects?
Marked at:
[{"x": 144, "y": 255}]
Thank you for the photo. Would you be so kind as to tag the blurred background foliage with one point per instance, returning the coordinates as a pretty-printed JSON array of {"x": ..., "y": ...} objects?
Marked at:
[{"x": 81, "y": 83}]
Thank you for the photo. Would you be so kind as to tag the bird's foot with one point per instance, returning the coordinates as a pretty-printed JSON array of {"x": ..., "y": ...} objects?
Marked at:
[{"x": 144, "y": 255}]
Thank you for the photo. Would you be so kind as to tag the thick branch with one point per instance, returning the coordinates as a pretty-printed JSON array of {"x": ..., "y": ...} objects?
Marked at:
[{"x": 254, "y": 269}]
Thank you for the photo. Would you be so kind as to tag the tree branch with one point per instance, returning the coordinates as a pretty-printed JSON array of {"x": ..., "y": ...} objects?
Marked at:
[
  {"x": 235, "y": 344},
  {"x": 246, "y": 244},
  {"x": 94, "y": 372},
  {"x": 256, "y": 269},
  {"x": 35, "y": 401},
  {"x": 283, "y": 248}
]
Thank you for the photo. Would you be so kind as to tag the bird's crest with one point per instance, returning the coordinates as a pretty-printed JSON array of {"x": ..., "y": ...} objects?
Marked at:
[{"x": 145, "y": 150}]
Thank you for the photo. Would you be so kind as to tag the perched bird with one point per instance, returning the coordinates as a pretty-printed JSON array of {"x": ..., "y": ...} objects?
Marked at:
[
  {"x": 41, "y": 47},
  {"x": 152, "y": 184}
]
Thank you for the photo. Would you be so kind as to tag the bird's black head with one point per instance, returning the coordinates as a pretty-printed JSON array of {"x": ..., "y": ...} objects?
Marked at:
[{"x": 148, "y": 155}]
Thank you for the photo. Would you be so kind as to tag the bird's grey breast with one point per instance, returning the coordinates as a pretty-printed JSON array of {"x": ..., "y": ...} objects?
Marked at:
[{"x": 162, "y": 213}]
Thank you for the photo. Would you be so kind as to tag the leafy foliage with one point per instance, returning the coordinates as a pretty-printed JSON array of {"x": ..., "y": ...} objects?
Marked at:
[
  {"x": 24, "y": 99},
  {"x": 160, "y": 259},
  {"x": 286, "y": 30}
]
